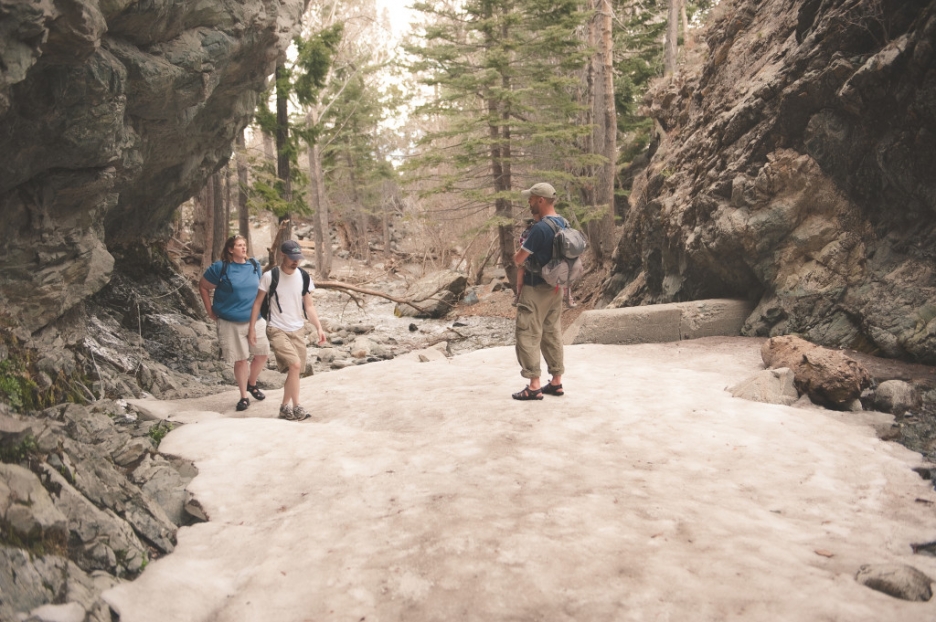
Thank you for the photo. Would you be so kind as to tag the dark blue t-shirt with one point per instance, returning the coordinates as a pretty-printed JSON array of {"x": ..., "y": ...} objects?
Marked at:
[
  {"x": 234, "y": 294},
  {"x": 540, "y": 246}
]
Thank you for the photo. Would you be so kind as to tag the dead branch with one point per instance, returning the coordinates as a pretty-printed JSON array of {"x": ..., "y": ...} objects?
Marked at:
[{"x": 347, "y": 288}]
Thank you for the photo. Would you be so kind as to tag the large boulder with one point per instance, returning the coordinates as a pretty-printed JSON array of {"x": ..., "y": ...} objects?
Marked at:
[
  {"x": 795, "y": 167},
  {"x": 435, "y": 295},
  {"x": 895, "y": 397},
  {"x": 829, "y": 377},
  {"x": 113, "y": 114}
]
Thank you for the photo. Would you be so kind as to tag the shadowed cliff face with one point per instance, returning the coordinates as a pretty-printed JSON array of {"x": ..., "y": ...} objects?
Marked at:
[
  {"x": 798, "y": 169},
  {"x": 112, "y": 113}
]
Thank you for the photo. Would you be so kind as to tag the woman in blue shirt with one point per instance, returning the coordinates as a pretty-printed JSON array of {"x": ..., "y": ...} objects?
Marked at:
[{"x": 235, "y": 280}]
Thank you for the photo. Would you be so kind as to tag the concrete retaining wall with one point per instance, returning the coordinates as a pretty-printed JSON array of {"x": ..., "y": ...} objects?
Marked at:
[{"x": 660, "y": 323}]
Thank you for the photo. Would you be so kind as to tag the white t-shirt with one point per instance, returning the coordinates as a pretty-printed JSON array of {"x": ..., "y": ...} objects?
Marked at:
[{"x": 289, "y": 294}]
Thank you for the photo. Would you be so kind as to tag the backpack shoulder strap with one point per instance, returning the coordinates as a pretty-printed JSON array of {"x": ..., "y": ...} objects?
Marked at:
[
  {"x": 274, "y": 281},
  {"x": 256, "y": 266},
  {"x": 224, "y": 266},
  {"x": 306, "y": 281},
  {"x": 552, "y": 224}
]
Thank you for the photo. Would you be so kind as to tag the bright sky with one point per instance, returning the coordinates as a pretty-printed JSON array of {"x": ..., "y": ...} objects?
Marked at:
[{"x": 399, "y": 12}]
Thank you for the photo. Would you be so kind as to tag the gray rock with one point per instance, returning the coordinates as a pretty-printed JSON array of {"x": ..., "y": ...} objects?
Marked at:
[
  {"x": 100, "y": 539},
  {"x": 100, "y": 482},
  {"x": 27, "y": 508},
  {"x": 897, "y": 580},
  {"x": 381, "y": 352},
  {"x": 361, "y": 348},
  {"x": 854, "y": 406},
  {"x": 327, "y": 355},
  {"x": 194, "y": 509},
  {"x": 895, "y": 397},
  {"x": 771, "y": 386},
  {"x": 436, "y": 294},
  {"x": 165, "y": 484},
  {"x": 271, "y": 379},
  {"x": 31, "y": 584},
  {"x": 133, "y": 450}
]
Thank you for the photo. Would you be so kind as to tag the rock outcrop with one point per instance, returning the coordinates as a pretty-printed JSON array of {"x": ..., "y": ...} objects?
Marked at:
[
  {"x": 85, "y": 500},
  {"x": 796, "y": 169},
  {"x": 113, "y": 114}
]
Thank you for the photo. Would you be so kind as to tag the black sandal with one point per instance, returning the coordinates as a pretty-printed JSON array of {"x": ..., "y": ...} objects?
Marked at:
[
  {"x": 528, "y": 394},
  {"x": 553, "y": 389},
  {"x": 243, "y": 404},
  {"x": 256, "y": 392}
]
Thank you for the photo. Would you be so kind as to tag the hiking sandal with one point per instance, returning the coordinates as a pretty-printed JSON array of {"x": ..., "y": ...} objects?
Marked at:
[
  {"x": 243, "y": 404},
  {"x": 528, "y": 394},
  {"x": 256, "y": 392},
  {"x": 553, "y": 389}
]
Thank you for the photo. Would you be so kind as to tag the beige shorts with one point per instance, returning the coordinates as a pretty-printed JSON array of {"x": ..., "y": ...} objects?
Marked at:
[
  {"x": 232, "y": 336},
  {"x": 289, "y": 348}
]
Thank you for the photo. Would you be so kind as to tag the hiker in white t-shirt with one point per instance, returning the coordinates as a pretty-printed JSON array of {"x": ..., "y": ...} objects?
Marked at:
[{"x": 289, "y": 306}]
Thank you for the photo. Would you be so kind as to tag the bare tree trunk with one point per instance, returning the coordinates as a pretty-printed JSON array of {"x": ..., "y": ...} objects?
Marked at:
[
  {"x": 269, "y": 147},
  {"x": 604, "y": 137},
  {"x": 319, "y": 204},
  {"x": 359, "y": 212},
  {"x": 201, "y": 227},
  {"x": 594, "y": 141},
  {"x": 364, "y": 221},
  {"x": 206, "y": 198},
  {"x": 386, "y": 205},
  {"x": 228, "y": 200},
  {"x": 605, "y": 186},
  {"x": 282, "y": 152},
  {"x": 243, "y": 215},
  {"x": 685, "y": 22},
  {"x": 219, "y": 219},
  {"x": 672, "y": 34},
  {"x": 501, "y": 172}
]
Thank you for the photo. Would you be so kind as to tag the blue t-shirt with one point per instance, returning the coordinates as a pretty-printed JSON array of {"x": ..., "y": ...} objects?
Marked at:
[
  {"x": 540, "y": 246},
  {"x": 234, "y": 294}
]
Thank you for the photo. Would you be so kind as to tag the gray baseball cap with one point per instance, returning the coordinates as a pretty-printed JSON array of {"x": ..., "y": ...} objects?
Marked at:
[
  {"x": 291, "y": 249},
  {"x": 541, "y": 189}
]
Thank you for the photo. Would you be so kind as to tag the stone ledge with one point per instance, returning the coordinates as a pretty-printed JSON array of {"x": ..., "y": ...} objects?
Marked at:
[{"x": 673, "y": 321}]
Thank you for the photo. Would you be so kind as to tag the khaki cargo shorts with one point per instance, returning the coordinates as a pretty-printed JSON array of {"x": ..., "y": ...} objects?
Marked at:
[
  {"x": 232, "y": 337},
  {"x": 289, "y": 348}
]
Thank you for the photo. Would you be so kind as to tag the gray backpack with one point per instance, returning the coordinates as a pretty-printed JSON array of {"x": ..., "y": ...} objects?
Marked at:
[{"x": 565, "y": 267}]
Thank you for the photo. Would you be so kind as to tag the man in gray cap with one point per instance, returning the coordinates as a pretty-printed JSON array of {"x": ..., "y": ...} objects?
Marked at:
[
  {"x": 290, "y": 290},
  {"x": 539, "y": 309}
]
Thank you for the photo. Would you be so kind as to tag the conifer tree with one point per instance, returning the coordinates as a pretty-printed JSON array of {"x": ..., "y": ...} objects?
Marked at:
[{"x": 503, "y": 79}]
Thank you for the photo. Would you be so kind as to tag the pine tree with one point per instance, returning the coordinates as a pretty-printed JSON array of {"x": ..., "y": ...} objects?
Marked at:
[{"x": 503, "y": 79}]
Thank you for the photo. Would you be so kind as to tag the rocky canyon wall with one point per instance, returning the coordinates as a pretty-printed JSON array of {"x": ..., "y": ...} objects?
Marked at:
[
  {"x": 797, "y": 168},
  {"x": 112, "y": 113}
]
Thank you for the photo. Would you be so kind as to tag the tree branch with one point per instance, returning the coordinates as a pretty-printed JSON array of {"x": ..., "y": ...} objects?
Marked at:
[{"x": 347, "y": 287}]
